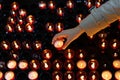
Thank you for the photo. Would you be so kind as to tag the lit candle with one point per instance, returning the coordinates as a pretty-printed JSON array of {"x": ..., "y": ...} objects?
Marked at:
[
  {"x": 9, "y": 28},
  {"x": 59, "y": 27},
  {"x": 37, "y": 45},
  {"x": 70, "y": 4},
  {"x": 93, "y": 64},
  {"x": 58, "y": 44},
  {"x": 23, "y": 65},
  {"x": 42, "y": 5},
  {"x": 19, "y": 28},
  {"x": 106, "y": 75},
  {"x": 117, "y": 75},
  {"x": 15, "y": 6},
  {"x": 26, "y": 45},
  {"x": 94, "y": 75},
  {"x": 56, "y": 75},
  {"x": 47, "y": 54},
  {"x": 57, "y": 65},
  {"x": 81, "y": 75},
  {"x": 31, "y": 19},
  {"x": 69, "y": 65},
  {"x": 69, "y": 75},
  {"x": 81, "y": 54},
  {"x": 22, "y": 12},
  {"x": 34, "y": 64},
  {"x": 16, "y": 45},
  {"x": 9, "y": 75},
  {"x": 51, "y": 5},
  {"x": 5, "y": 45},
  {"x": 33, "y": 75},
  {"x": 69, "y": 53},
  {"x": 81, "y": 64},
  {"x": 46, "y": 65},
  {"x": 116, "y": 64},
  {"x": 79, "y": 18},
  {"x": 11, "y": 20},
  {"x": 50, "y": 27},
  {"x": 12, "y": 64},
  {"x": 29, "y": 27},
  {"x": 1, "y": 75},
  {"x": 60, "y": 12}
]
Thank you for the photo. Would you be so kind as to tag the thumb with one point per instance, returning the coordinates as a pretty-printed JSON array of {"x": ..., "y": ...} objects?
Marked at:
[{"x": 66, "y": 43}]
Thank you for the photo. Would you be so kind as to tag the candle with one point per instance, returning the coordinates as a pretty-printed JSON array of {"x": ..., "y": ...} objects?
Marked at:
[
  {"x": 58, "y": 44},
  {"x": 51, "y": 5},
  {"x": 9, "y": 75},
  {"x": 33, "y": 75},
  {"x": 81, "y": 64},
  {"x": 15, "y": 6},
  {"x": 47, "y": 54},
  {"x": 106, "y": 75},
  {"x": 23, "y": 13},
  {"x": 69, "y": 54},
  {"x": 116, "y": 64},
  {"x": 23, "y": 64},
  {"x": 117, "y": 75},
  {"x": 12, "y": 64},
  {"x": 93, "y": 64},
  {"x": 5, "y": 45},
  {"x": 42, "y": 5}
]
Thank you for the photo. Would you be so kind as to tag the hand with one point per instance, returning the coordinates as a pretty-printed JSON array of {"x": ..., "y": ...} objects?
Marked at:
[{"x": 70, "y": 35}]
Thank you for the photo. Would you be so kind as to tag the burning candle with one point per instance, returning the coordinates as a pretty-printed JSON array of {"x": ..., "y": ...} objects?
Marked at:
[
  {"x": 106, "y": 75},
  {"x": 42, "y": 5},
  {"x": 15, "y": 6},
  {"x": 29, "y": 27},
  {"x": 81, "y": 75},
  {"x": 117, "y": 75},
  {"x": 60, "y": 12},
  {"x": 37, "y": 45},
  {"x": 58, "y": 44},
  {"x": 81, "y": 64},
  {"x": 34, "y": 64},
  {"x": 9, "y": 75},
  {"x": 116, "y": 64},
  {"x": 47, "y": 54},
  {"x": 33, "y": 75},
  {"x": 31, "y": 19},
  {"x": 50, "y": 27},
  {"x": 70, "y": 4},
  {"x": 5, "y": 45},
  {"x": 16, "y": 45},
  {"x": 93, "y": 64},
  {"x": 19, "y": 28},
  {"x": 46, "y": 65},
  {"x": 69, "y": 53},
  {"x": 56, "y": 75},
  {"x": 57, "y": 65},
  {"x": 1, "y": 75},
  {"x": 69, "y": 75},
  {"x": 69, "y": 65},
  {"x": 23, "y": 13},
  {"x": 51, "y": 5},
  {"x": 12, "y": 64},
  {"x": 59, "y": 27},
  {"x": 23, "y": 64}
]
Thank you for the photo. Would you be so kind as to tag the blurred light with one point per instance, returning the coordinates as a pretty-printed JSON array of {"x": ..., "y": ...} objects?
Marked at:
[
  {"x": 51, "y": 5},
  {"x": 69, "y": 75},
  {"x": 69, "y": 65},
  {"x": 12, "y": 64},
  {"x": 47, "y": 54},
  {"x": 19, "y": 28},
  {"x": 33, "y": 75},
  {"x": 9, "y": 75},
  {"x": 56, "y": 75},
  {"x": 93, "y": 64},
  {"x": 34, "y": 64},
  {"x": 117, "y": 75},
  {"x": 116, "y": 64},
  {"x": 29, "y": 27},
  {"x": 60, "y": 12},
  {"x": 58, "y": 44},
  {"x": 79, "y": 18},
  {"x": 50, "y": 27},
  {"x": 15, "y": 6},
  {"x": 11, "y": 20},
  {"x": 23, "y": 64},
  {"x": 30, "y": 19},
  {"x": 81, "y": 64},
  {"x": 81, "y": 75},
  {"x": 69, "y": 54},
  {"x": 46, "y": 65},
  {"x": 106, "y": 75},
  {"x": 57, "y": 65},
  {"x": 94, "y": 75},
  {"x": 26, "y": 45},
  {"x": 5, "y": 45},
  {"x": 9, "y": 28},
  {"x": 37, "y": 45},
  {"x": 42, "y": 5},
  {"x": 1, "y": 75},
  {"x": 23, "y": 13},
  {"x": 70, "y": 4},
  {"x": 59, "y": 27},
  {"x": 16, "y": 45}
]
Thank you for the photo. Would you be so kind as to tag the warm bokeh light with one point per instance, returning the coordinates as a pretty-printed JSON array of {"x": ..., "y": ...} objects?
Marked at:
[
  {"x": 69, "y": 65},
  {"x": 51, "y": 5},
  {"x": 56, "y": 75},
  {"x": 116, "y": 64},
  {"x": 34, "y": 64},
  {"x": 5, "y": 45},
  {"x": 37, "y": 45},
  {"x": 81, "y": 75},
  {"x": 47, "y": 54},
  {"x": 60, "y": 12},
  {"x": 46, "y": 65},
  {"x": 69, "y": 54},
  {"x": 15, "y": 6},
  {"x": 9, "y": 75},
  {"x": 70, "y": 4},
  {"x": 93, "y": 64},
  {"x": 57, "y": 65},
  {"x": 19, "y": 28},
  {"x": 1, "y": 75},
  {"x": 117, "y": 75},
  {"x": 16, "y": 45},
  {"x": 23, "y": 64},
  {"x": 50, "y": 27},
  {"x": 106, "y": 75},
  {"x": 42, "y": 5},
  {"x": 59, "y": 27},
  {"x": 33, "y": 75},
  {"x": 69, "y": 75},
  {"x": 81, "y": 64},
  {"x": 30, "y": 19},
  {"x": 29, "y": 27},
  {"x": 12, "y": 64},
  {"x": 58, "y": 44},
  {"x": 23, "y": 13},
  {"x": 94, "y": 75}
]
